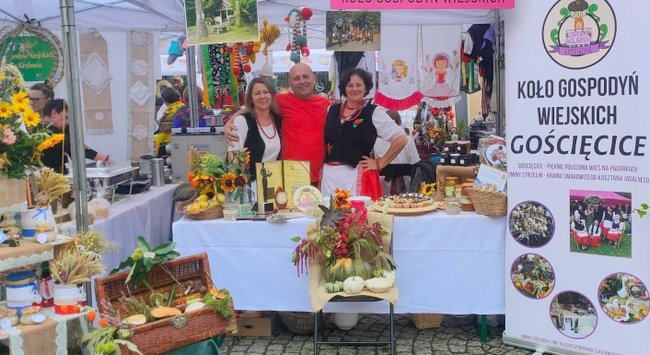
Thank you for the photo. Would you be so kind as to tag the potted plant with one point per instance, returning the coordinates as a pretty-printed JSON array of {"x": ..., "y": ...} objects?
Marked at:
[
  {"x": 70, "y": 268},
  {"x": 345, "y": 243},
  {"x": 216, "y": 182},
  {"x": 20, "y": 136},
  {"x": 48, "y": 186}
]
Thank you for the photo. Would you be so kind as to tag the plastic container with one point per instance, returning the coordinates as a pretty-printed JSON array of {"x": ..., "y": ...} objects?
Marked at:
[{"x": 21, "y": 289}]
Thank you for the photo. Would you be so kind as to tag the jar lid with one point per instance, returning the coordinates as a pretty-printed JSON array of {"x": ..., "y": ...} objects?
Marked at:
[{"x": 20, "y": 275}]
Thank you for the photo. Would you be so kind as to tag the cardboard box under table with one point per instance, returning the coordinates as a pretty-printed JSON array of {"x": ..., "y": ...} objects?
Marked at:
[{"x": 174, "y": 332}]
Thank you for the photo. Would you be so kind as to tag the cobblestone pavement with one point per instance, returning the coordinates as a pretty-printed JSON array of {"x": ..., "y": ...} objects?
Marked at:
[{"x": 449, "y": 338}]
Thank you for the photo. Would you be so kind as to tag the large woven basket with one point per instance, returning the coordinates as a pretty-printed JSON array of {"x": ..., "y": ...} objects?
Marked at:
[
  {"x": 426, "y": 321},
  {"x": 170, "y": 333},
  {"x": 488, "y": 203},
  {"x": 213, "y": 212}
]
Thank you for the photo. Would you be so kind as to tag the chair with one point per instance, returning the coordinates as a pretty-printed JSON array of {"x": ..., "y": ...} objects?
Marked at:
[
  {"x": 394, "y": 175},
  {"x": 318, "y": 319}
]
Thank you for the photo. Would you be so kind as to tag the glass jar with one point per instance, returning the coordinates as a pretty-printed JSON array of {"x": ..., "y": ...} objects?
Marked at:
[
  {"x": 450, "y": 185},
  {"x": 450, "y": 147},
  {"x": 453, "y": 159},
  {"x": 452, "y": 206},
  {"x": 482, "y": 147},
  {"x": 465, "y": 201}
]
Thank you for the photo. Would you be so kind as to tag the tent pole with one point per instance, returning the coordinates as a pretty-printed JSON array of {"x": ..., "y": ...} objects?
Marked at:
[
  {"x": 499, "y": 75},
  {"x": 191, "y": 84},
  {"x": 77, "y": 146}
]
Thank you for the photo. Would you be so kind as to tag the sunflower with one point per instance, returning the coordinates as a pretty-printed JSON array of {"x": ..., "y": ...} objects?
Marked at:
[
  {"x": 241, "y": 180},
  {"x": 6, "y": 110},
  {"x": 20, "y": 99},
  {"x": 341, "y": 199},
  {"x": 51, "y": 142},
  {"x": 228, "y": 182},
  {"x": 31, "y": 118},
  {"x": 23, "y": 110},
  {"x": 2, "y": 75},
  {"x": 428, "y": 189}
]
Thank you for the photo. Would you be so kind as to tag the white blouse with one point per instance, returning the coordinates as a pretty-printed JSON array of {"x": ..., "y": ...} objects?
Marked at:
[{"x": 272, "y": 146}]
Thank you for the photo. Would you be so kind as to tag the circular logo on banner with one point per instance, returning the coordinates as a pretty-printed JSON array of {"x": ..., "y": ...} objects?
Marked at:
[
  {"x": 577, "y": 33},
  {"x": 35, "y": 51}
]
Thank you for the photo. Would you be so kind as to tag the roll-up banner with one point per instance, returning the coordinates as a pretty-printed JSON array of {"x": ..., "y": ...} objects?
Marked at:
[{"x": 577, "y": 250}]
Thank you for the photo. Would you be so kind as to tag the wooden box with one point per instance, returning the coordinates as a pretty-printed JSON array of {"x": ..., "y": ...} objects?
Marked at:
[{"x": 169, "y": 333}]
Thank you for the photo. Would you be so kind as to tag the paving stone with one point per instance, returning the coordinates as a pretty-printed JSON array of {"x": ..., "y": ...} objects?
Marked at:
[{"x": 446, "y": 340}]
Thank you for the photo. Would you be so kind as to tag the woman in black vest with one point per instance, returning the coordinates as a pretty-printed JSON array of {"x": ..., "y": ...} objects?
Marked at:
[
  {"x": 351, "y": 129},
  {"x": 259, "y": 125}
]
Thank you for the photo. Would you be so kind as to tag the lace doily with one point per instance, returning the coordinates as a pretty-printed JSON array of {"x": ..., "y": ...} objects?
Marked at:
[
  {"x": 15, "y": 341},
  {"x": 99, "y": 116},
  {"x": 140, "y": 93},
  {"x": 12, "y": 263},
  {"x": 138, "y": 38},
  {"x": 140, "y": 132},
  {"x": 16, "y": 207},
  {"x": 95, "y": 74},
  {"x": 61, "y": 334},
  {"x": 140, "y": 67}
]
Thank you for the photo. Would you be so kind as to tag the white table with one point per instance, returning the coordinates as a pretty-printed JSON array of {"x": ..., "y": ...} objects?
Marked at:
[
  {"x": 446, "y": 264},
  {"x": 147, "y": 214}
]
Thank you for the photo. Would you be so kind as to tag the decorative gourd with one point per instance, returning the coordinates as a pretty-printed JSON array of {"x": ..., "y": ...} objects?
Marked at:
[
  {"x": 136, "y": 319},
  {"x": 379, "y": 284},
  {"x": 194, "y": 306},
  {"x": 334, "y": 287},
  {"x": 390, "y": 275},
  {"x": 346, "y": 267},
  {"x": 353, "y": 285}
]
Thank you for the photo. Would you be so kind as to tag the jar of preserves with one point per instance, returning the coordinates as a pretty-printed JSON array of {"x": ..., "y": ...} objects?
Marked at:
[
  {"x": 450, "y": 185},
  {"x": 465, "y": 201}
]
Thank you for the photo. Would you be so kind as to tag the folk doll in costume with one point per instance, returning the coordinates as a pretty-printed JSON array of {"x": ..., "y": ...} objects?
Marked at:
[
  {"x": 351, "y": 130},
  {"x": 259, "y": 124}
]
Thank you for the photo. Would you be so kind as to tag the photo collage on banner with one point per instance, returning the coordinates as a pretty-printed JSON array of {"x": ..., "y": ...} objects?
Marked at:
[
  {"x": 578, "y": 177},
  {"x": 209, "y": 22}
]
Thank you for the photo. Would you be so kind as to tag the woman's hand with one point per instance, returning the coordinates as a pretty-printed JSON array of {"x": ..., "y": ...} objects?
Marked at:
[
  {"x": 368, "y": 163},
  {"x": 231, "y": 132}
]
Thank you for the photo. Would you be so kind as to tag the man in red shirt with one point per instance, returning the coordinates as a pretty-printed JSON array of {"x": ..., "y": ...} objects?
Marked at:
[{"x": 303, "y": 121}]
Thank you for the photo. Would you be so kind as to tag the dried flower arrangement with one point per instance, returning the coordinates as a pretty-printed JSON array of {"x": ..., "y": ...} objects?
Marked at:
[
  {"x": 73, "y": 266},
  {"x": 49, "y": 186}
]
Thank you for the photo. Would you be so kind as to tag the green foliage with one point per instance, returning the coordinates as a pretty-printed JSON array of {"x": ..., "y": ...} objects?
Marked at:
[
  {"x": 643, "y": 210},
  {"x": 104, "y": 341},
  {"x": 144, "y": 258},
  {"x": 221, "y": 306}
]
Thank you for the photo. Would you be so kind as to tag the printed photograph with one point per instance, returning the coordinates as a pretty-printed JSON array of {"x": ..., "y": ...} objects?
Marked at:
[
  {"x": 533, "y": 276},
  {"x": 600, "y": 222},
  {"x": 352, "y": 31},
  {"x": 221, "y": 21},
  {"x": 573, "y": 314},
  {"x": 531, "y": 224},
  {"x": 624, "y": 298}
]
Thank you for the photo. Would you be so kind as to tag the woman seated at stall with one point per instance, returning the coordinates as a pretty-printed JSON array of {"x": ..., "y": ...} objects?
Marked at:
[
  {"x": 259, "y": 125},
  {"x": 351, "y": 129}
]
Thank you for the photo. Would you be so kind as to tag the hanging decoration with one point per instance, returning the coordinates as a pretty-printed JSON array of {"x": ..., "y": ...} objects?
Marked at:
[
  {"x": 398, "y": 70},
  {"x": 297, "y": 21},
  {"x": 217, "y": 59},
  {"x": 268, "y": 35},
  {"x": 440, "y": 64},
  {"x": 96, "y": 78},
  {"x": 141, "y": 95}
]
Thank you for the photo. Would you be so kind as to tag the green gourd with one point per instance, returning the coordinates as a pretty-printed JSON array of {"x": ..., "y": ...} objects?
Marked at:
[
  {"x": 334, "y": 287},
  {"x": 346, "y": 267}
]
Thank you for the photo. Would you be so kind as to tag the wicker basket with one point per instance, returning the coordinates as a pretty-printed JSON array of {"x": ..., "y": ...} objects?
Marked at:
[
  {"x": 488, "y": 203},
  {"x": 301, "y": 323},
  {"x": 213, "y": 212},
  {"x": 426, "y": 321},
  {"x": 170, "y": 333}
]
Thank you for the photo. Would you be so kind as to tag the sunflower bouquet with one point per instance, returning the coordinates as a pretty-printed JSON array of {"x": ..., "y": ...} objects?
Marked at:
[
  {"x": 214, "y": 179},
  {"x": 20, "y": 132}
]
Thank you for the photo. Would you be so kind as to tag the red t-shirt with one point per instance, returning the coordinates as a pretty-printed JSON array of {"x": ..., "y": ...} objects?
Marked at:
[{"x": 303, "y": 130}]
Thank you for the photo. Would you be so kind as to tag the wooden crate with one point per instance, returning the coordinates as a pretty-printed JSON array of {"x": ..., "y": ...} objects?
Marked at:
[
  {"x": 426, "y": 321},
  {"x": 169, "y": 333}
]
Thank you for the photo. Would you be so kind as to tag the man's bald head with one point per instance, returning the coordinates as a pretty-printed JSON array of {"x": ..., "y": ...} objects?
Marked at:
[{"x": 302, "y": 80}]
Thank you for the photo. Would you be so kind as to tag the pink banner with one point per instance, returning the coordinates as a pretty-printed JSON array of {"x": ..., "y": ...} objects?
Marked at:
[{"x": 420, "y": 4}]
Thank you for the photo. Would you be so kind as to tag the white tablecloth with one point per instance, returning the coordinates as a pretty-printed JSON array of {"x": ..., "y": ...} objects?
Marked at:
[
  {"x": 446, "y": 264},
  {"x": 147, "y": 214}
]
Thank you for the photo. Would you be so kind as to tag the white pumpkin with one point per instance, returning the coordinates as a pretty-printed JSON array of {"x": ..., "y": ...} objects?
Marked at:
[
  {"x": 390, "y": 275},
  {"x": 194, "y": 306},
  {"x": 353, "y": 285},
  {"x": 379, "y": 284}
]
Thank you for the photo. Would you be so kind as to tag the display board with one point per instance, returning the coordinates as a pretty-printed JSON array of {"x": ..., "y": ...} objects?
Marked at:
[{"x": 577, "y": 263}]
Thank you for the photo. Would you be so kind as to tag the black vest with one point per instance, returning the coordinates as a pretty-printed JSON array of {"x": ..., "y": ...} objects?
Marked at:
[
  {"x": 345, "y": 143},
  {"x": 254, "y": 141}
]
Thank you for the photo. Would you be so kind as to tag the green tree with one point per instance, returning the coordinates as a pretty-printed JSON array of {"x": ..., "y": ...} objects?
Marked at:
[{"x": 201, "y": 28}]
